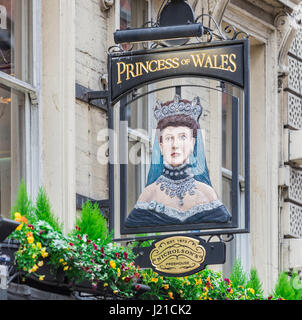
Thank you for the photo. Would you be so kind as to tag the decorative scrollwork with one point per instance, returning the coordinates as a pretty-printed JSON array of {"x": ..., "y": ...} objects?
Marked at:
[
  {"x": 229, "y": 32},
  {"x": 120, "y": 48},
  {"x": 115, "y": 49},
  {"x": 235, "y": 33},
  {"x": 229, "y": 237}
]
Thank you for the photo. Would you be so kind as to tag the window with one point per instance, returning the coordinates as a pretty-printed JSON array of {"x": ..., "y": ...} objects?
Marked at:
[
  {"x": 14, "y": 38},
  {"x": 17, "y": 95},
  {"x": 134, "y": 13},
  {"x": 226, "y": 137}
]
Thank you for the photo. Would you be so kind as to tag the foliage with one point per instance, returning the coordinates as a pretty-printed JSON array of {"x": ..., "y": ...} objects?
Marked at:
[
  {"x": 237, "y": 275},
  {"x": 254, "y": 282},
  {"x": 78, "y": 256},
  {"x": 23, "y": 204},
  {"x": 286, "y": 288},
  {"x": 92, "y": 222},
  {"x": 43, "y": 211},
  {"x": 87, "y": 253},
  {"x": 84, "y": 254},
  {"x": 205, "y": 285}
]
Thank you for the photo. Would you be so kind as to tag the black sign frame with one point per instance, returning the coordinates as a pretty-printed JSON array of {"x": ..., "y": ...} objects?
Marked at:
[{"x": 118, "y": 92}]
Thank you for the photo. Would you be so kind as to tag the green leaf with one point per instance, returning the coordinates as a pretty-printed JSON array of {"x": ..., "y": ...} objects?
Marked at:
[{"x": 238, "y": 276}]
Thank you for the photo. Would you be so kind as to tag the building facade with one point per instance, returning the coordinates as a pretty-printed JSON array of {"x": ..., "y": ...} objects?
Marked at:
[{"x": 55, "y": 51}]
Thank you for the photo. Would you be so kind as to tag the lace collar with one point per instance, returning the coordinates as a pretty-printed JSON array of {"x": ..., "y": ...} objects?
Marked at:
[{"x": 175, "y": 213}]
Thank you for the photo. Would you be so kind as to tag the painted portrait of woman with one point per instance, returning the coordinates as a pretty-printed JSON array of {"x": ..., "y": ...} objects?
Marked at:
[{"x": 178, "y": 190}]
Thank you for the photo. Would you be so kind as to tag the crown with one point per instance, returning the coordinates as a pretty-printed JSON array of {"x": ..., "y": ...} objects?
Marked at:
[{"x": 178, "y": 107}]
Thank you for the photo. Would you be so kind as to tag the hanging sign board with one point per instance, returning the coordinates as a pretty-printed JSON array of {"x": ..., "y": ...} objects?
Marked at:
[
  {"x": 180, "y": 255},
  {"x": 178, "y": 174},
  {"x": 130, "y": 70}
]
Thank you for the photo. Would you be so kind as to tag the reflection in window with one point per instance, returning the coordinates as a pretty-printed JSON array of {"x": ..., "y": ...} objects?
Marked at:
[
  {"x": 12, "y": 146},
  {"x": 134, "y": 14},
  {"x": 226, "y": 139},
  {"x": 13, "y": 38}
]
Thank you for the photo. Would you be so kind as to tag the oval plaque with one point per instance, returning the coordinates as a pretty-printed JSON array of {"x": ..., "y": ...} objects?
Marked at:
[{"x": 177, "y": 255}]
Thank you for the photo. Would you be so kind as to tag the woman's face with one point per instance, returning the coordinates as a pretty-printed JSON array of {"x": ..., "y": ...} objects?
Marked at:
[{"x": 177, "y": 143}]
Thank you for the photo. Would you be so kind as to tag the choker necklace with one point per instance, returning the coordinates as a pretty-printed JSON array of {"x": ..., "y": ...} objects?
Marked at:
[{"x": 177, "y": 181}]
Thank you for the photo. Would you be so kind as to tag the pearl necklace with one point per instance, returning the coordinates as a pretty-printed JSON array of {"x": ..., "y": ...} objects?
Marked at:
[{"x": 177, "y": 181}]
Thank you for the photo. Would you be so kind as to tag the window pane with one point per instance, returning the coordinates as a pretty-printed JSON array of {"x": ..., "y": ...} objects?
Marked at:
[
  {"x": 227, "y": 132},
  {"x": 12, "y": 146},
  {"x": 133, "y": 14},
  {"x": 14, "y": 33},
  {"x": 137, "y": 113}
]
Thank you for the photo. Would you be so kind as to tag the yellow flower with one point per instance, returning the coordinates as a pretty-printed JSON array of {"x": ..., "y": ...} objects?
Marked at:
[
  {"x": 61, "y": 260},
  {"x": 118, "y": 272},
  {"x": 44, "y": 253},
  {"x": 154, "y": 280},
  {"x": 39, "y": 245},
  {"x": 17, "y": 215},
  {"x": 34, "y": 256},
  {"x": 41, "y": 278},
  {"x": 66, "y": 268},
  {"x": 170, "y": 294},
  {"x": 34, "y": 268},
  {"x": 30, "y": 239},
  {"x": 19, "y": 227},
  {"x": 115, "y": 291},
  {"x": 166, "y": 286},
  {"x": 251, "y": 290},
  {"x": 33, "y": 246},
  {"x": 112, "y": 264},
  {"x": 40, "y": 263},
  {"x": 105, "y": 284}
]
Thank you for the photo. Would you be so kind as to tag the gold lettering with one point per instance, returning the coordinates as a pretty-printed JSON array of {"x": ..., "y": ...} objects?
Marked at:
[
  {"x": 142, "y": 66},
  {"x": 169, "y": 63},
  {"x": 232, "y": 62},
  {"x": 215, "y": 60},
  {"x": 150, "y": 64},
  {"x": 224, "y": 61},
  {"x": 176, "y": 62},
  {"x": 197, "y": 60},
  {"x": 161, "y": 65},
  {"x": 119, "y": 64},
  {"x": 130, "y": 68},
  {"x": 209, "y": 61},
  {"x": 138, "y": 69}
]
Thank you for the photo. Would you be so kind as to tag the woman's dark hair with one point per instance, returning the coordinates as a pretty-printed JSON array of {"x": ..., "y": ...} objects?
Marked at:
[{"x": 179, "y": 120}]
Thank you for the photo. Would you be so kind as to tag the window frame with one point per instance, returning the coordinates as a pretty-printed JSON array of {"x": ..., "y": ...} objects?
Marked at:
[{"x": 31, "y": 22}]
